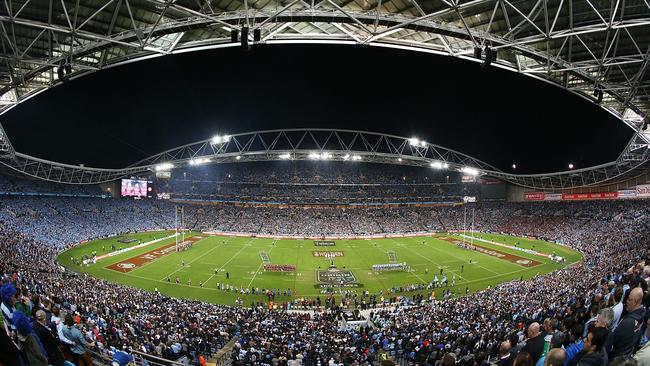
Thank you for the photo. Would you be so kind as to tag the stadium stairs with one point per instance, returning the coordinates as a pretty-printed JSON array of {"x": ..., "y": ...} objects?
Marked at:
[{"x": 222, "y": 357}]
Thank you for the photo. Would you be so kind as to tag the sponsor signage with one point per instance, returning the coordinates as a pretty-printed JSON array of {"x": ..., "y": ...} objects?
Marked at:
[
  {"x": 345, "y": 285},
  {"x": 320, "y": 243},
  {"x": 467, "y": 199},
  {"x": 553, "y": 197},
  {"x": 336, "y": 278},
  {"x": 627, "y": 193},
  {"x": 639, "y": 191},
  {"x": 327, "y": 254},
  {"x": 589, "y": 196},
  {"x": 643, "y": 190},
  {"x": 534, "y": 196}
]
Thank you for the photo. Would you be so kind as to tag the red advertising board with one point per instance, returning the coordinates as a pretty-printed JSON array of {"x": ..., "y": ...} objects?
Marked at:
[{"x": 533, "y": 196}]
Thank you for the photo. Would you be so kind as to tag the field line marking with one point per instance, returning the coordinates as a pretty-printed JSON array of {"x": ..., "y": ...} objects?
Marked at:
[
  {"x": 428, "y": 259},
  {"x": 347, "y": 242},
  {"x": 261, "y": 264},
  {"x": 141, "y": 266},
  {"x": 459, "y": 258},
  {"x": 229, "y": 260},
  {"x": 314, "y": 294},
  {"x": 199, "y": 257}
]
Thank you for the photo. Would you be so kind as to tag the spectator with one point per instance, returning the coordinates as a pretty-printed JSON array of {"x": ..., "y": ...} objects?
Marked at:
[
  {"x": 535, "y": 343},
  {"x": 8, "y": 294},
  {"x": 555, "y": 357},
  {"x": 593, "y": 353},
  {"x": 523, "y": 359},
  {"x": 628, "y": 332},
  {"x": 642, "y": 356},
  {"x": 30, "y": 344},
  {"x": 504, "y": 354},
  {"x": 49, "y": 342},
  {"x": 80, "y": 348}
]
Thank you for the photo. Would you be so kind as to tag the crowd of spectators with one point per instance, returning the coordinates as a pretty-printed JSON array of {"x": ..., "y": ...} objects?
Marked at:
[
  {"x": 21, "y": 186},
  {"x": 71, "y": 220},
  {"x": 592, "y": 313},
  {"x": 316, "y": 182}
]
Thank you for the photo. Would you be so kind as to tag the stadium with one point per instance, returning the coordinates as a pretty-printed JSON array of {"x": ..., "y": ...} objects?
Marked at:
[{"x": 443, "y": 183}]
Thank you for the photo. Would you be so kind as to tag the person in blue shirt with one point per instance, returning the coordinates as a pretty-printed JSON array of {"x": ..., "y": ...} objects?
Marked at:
[
  {"x": 80, "y": 348},
  {"x": 121, "y": 358}
]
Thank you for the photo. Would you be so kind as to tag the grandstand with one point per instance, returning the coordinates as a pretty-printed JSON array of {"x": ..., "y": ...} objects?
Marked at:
[
  {"x": 46, "y": 216},
  {"x": 327, "y": 246}
]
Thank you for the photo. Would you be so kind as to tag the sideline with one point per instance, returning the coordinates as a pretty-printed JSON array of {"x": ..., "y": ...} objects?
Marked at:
[
  {"x": 125, "y": 250},
  {"x": 529, "y": 251}
]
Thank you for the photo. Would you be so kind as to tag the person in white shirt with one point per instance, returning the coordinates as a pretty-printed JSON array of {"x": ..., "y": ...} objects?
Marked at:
[
  {"x": 57, "y": 317},
  {"x": 618, "y": 308}
]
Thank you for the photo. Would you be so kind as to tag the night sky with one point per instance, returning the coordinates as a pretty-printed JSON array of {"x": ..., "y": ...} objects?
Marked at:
[{"x": 118, "y": 116}]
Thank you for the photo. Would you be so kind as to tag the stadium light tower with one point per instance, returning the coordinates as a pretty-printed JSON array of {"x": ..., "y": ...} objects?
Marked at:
[
  {"x": 470, "y": 171},
  {"x": 199, "y": 161},
  {"x": 413, "y": 141},
  {"x": 220, "y": 139},
  {"x": 439, "y": 165},
  {"x": 164, "y": 167}
]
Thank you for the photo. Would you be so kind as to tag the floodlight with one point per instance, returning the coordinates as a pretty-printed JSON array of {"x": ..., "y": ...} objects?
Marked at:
[
  {"x": 514, "y": 166},
  {"x": 356, "y": 157},
  {"x": 164, "y": 167},
  {"x": 439, "y": 165},
  {"x": 287, "y": 156},
  {"x": 469, "y": 170},
  {"x": 321, "y": 156},
  {"x": 218, "y": 139},
  {"x": 199, "y": 161},
  {"x": 399, "y": 159},
  {"x": 570, "y": 166},
  {"x": 238, "y": 157},
  {"x": 346, "y": 157},
  {"x": 416, "y": 142}
]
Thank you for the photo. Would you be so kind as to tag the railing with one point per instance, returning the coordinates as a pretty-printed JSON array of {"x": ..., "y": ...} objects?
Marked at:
[
  {"x": 142, "y": 359},
  {"x": 223, "y": 356}
]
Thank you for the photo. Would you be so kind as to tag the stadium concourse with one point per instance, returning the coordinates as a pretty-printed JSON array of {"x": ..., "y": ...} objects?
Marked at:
[{"x": 592, "y": 313}]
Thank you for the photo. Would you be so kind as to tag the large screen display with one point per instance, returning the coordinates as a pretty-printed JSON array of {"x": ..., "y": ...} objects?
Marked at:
[{"x": 134, "y": 188}]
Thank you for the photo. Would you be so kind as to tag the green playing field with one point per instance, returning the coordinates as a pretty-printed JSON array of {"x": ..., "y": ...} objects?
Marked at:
[{"x": 211, "y": 259}]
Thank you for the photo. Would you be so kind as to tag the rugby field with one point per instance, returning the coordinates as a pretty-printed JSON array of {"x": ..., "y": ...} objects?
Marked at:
[{"x": 494, "y": 259}]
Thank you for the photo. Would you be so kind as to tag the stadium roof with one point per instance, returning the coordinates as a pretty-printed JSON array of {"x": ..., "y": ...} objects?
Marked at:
[
  {"x": 333, "y": 145},
  {"x": 582, "y": 46},
  {"x": 598, "y": 50}
]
